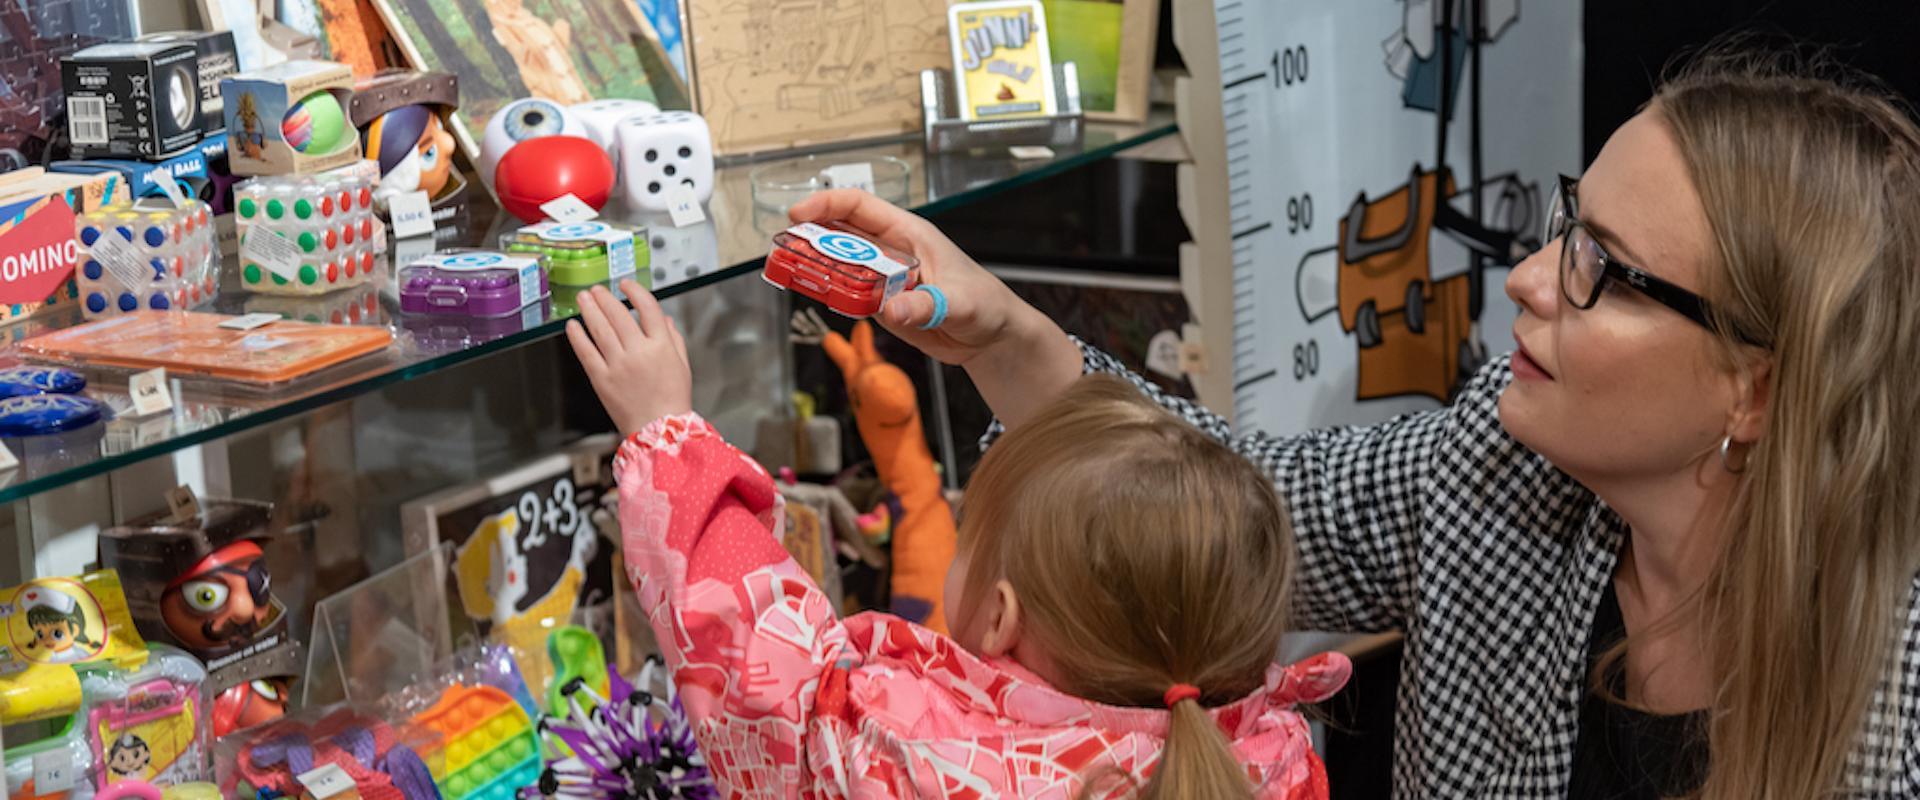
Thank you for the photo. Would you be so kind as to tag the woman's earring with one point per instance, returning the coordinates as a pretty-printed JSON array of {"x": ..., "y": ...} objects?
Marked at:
[{"x": 1726, "y": 459}]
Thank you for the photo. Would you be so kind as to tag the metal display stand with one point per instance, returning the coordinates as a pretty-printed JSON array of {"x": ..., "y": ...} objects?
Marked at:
[{"x": 945, "y": 131}]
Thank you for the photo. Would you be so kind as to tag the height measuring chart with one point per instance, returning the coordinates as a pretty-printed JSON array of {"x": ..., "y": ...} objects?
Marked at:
[{"x": 1386, "y": 166}]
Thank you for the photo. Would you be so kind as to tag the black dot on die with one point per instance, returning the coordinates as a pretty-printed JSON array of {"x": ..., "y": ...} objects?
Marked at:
[
  {"x": 652, "y": 156},
  {"x": 686, "y": 152},
  {"x": 687, "y": 182},
  {"x": 659, "y": 243},
  {"x": 653, "y": 188},
  {"x": 670, "y": 170}
]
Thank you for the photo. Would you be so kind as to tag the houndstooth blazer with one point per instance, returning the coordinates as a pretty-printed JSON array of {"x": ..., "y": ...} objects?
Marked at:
[{"x": 1493, "y": 563}]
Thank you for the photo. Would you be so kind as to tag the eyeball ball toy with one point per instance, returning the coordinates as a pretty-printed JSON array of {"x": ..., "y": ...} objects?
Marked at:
[
  {"x": 523, "y": 120},
  {"x": 541, "y": 170},
  {"x": 316, "y": 124}
]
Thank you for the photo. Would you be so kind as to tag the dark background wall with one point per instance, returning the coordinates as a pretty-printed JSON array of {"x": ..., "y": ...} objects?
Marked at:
[{"x": 1629, "y": 43}]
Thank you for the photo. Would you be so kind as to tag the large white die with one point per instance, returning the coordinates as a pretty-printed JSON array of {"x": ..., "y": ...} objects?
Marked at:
[
  {"x": 658, "y": 151},
  {"x": 602, "y": 117}
]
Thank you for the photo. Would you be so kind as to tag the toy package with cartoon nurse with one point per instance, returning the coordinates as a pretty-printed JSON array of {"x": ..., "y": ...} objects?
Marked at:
[
  {"x": 149, "y": 724},
  {"x": 60, "y": 622}
]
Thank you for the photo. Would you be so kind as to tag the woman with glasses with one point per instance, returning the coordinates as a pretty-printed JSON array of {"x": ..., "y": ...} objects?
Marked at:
[{"x": 1667, "y": 547}]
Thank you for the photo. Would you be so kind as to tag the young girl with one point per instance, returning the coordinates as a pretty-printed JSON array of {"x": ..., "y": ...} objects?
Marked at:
[{"x": 1116, "y": 605}]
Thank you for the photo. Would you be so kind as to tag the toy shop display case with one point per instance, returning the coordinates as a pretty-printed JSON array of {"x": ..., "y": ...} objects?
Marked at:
[{"x": 482, "y": 441}]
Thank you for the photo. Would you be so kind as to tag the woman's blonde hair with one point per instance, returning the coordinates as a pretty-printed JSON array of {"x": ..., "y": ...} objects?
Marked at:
[
  {"x": 1811, "y": 186},
  {"x": 1144, "y": 554}
]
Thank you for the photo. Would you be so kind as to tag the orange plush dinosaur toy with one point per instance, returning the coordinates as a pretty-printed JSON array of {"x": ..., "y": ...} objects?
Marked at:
[{"x": 887, "y": 411}]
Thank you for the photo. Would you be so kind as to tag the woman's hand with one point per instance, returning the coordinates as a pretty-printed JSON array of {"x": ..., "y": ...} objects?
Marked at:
[
  {"x": 637, "y": 367},
  {"x": 1016, "y": 356}
]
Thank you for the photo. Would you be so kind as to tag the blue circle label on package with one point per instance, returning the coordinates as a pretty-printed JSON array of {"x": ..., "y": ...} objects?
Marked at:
[
  {"x": 848, "y": 247},
  {"x": 17, "y": 381},
  {"x": 476, "y": 261},
  {"x": 42, "y": 414},
  {"x": 570, "y": 231}
]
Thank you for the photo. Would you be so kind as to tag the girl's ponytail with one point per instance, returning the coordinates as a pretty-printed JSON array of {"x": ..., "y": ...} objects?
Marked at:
[{"x": 1198, "y": 762}]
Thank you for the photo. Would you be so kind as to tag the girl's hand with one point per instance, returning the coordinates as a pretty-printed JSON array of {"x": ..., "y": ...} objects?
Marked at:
[
  {"x": 980, "y": 309},
  {"x": 638, "y": 368}
]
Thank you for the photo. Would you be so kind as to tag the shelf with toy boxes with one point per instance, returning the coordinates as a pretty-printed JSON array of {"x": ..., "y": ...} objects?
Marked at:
[
  {"x": 585, "y": 253},
  {"x": 306, "y": 235},
  {"x": 152, "y": 256},
  {"x": 290, "y": 119}
]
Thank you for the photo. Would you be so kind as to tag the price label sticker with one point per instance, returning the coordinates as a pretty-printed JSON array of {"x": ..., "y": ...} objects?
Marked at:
[
  {"x": 586, "y": 470},
  {"x": 1163, "y": 354},
  {"x": 123, "y": 259},
  {"x": 327, "y": 781},
  {"x": 250, "y": 321},
  {"x": 7, "y": 459},
  {"x": 52, "y": 771},
  {"x": 182, "y": 503},
  {"x": 684, "y": 206},
  {"x": 269, "y": 249},
  {"x": 170, "y": 186},
  {"x": 150, "y": 393},
  {"x": 567, "y": 208},
  {"x": 412, "y": 215},
  {"x": 1030, "y": 152},
  {"x": 850, "y": 176}
]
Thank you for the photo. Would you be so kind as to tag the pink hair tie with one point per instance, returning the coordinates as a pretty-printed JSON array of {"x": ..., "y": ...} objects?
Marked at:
[{"x": 1179, "y": 692}]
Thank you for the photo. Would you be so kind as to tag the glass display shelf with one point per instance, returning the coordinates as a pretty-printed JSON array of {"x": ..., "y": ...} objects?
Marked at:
[{"x": 731, "y": 243}]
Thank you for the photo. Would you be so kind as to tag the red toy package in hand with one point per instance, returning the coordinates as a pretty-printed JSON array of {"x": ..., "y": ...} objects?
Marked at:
[{"x": 839, "y": 266}]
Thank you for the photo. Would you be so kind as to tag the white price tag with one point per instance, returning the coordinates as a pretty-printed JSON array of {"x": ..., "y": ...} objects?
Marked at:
[
  {"x": 251, "y": 321},
  {"x": 849, "y": 176},
  {"x": 170, "y": 186},
  {"x": 412, "y": 215},
  {"x": 150, "y": 393},
  {"x": 567, "y": 208},
  {"x": 181, "y": 502},
  {"x": 122, "y": 259},
  {"x": 52, "y": 771},
  {"x": 326, "y": 781},
  {"x": 1026, "y": 152},
  {"x": 684, "y": 206},
  {"x": 1163, "y": 354},
  {"x": 7, "y": 460},
  {"x": 407, "y": 251},
  {"x": 269, "y": 249}
]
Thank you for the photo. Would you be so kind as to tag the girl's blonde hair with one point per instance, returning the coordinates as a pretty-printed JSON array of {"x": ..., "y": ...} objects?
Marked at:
[
  {"x": 1144, "y": 554},
  {"x": 1812, "y": 189}
]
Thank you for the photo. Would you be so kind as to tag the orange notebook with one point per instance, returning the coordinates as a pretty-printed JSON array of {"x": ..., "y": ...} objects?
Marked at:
[{"x": 195, "y": 344}]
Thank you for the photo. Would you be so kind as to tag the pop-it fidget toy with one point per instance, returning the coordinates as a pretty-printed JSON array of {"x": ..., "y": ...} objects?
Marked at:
[{"x": 487, "y": 744}]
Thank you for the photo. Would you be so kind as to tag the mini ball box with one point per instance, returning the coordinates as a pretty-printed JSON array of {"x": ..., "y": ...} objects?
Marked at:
[
  {"x": 290, "y": 119},
  {"x": 839, "y": 266},
  {"x": 336, "y": 238},
  {"x": 473, "y": 283},
  {"x": 585, "y": 253},
  {"x": 133, "y": 100},
  {"x": 132, "y": 258}
]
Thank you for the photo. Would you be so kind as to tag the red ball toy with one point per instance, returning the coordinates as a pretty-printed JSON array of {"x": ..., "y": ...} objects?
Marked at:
[{"x": 538, "y": 171}]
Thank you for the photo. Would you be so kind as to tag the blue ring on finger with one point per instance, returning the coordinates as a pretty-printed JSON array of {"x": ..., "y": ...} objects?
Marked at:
[{"x": 939, "y": 306}]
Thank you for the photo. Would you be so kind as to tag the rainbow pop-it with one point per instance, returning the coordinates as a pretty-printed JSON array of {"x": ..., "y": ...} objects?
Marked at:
[{"x": 488, "y": 750}]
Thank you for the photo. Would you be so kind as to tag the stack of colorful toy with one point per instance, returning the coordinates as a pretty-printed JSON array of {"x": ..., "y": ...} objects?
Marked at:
[
  {"x": 329, "y": 221},
  {"x": 146, "y": 258},
  {"x": 488, "y": 750}
]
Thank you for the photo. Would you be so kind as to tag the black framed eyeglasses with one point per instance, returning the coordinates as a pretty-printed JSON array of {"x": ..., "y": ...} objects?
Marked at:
[{"x": 1586, "y": 269}]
